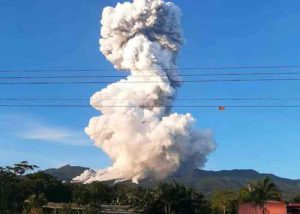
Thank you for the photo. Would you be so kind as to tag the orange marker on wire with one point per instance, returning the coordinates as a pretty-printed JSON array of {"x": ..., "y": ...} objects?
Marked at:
[{"x": 221, "y": 108}]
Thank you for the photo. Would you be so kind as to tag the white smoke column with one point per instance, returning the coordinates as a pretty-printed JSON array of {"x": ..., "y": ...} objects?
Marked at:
[{"x": 138, "y": 132}]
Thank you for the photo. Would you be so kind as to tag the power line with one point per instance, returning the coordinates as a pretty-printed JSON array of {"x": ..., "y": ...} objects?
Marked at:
[
  {"x": 141, "y": 76},
  {"x": 149, "y": 69},
  {"x": 147, "y": 82},
  {"x": 176, "y": 106},
  {"x": 179, "y": 99}
]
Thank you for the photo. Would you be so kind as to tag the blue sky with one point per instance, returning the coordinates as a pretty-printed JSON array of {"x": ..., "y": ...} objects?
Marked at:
[{"x": 63, "y": 34}]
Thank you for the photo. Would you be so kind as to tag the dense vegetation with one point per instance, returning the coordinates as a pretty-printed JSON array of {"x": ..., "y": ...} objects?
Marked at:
[{"x": 24, "y": 190}]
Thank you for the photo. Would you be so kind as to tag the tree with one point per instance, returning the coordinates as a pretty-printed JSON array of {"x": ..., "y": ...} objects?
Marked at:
[
  {"x": 19, "y": 189},
  {"x": 224, "y": 202},
  {"x": 260, "y": 192},
  {"x": 172, "y": 197},
  {"x": 33, "y": 204},
  {"x": 80, "y": 194},
  {"x": 11, "y": 194},
  {"x": 99, "y": 193},
  {"x": 21, "y": 168},
  {"x": 296, "y": 199},
  {"x": 53, "y": 190},
  {"x": 124, "y": 194}
]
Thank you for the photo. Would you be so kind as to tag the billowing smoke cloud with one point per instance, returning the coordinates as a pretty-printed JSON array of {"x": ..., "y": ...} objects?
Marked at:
[{"x": 138, "y": 131}]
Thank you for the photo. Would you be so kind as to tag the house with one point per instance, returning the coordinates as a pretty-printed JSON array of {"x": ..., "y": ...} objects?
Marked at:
[
  {"x": 271, "y": 207},
  {"x": 293, "y": 208}
]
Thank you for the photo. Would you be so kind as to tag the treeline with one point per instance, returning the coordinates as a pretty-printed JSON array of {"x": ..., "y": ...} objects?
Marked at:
[{"x": 22, "y": 190}]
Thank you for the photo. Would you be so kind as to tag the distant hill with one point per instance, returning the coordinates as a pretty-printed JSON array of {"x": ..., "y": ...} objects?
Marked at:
[
  {"x": 66, "y": 173},
  {"x": 209, "y": 181},
  {"x": 205, "y": 181}
]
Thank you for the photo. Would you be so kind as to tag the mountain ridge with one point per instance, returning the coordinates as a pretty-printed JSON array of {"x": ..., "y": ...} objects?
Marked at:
[
  {"x": 205, "y": 181},
  {"x": 66, "y": 172}
]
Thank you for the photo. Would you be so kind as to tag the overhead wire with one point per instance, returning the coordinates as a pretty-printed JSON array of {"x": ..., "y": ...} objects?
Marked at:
[
  {"x": 149, "y": 69},
  {"x": 178, "y": 99},
  {"x": 149, "y": 82},
  {"x": 62, "y": 105},
  {"x": 125, "y": 106},
  {"x": 140, "y": 76}
]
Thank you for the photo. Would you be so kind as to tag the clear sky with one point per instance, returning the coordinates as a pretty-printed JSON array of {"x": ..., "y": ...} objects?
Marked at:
[{"x": 63, "y": 34}]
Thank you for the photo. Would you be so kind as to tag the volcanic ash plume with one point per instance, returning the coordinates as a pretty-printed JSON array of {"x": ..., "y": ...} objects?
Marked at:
[{"x": 137, "y": 130}]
